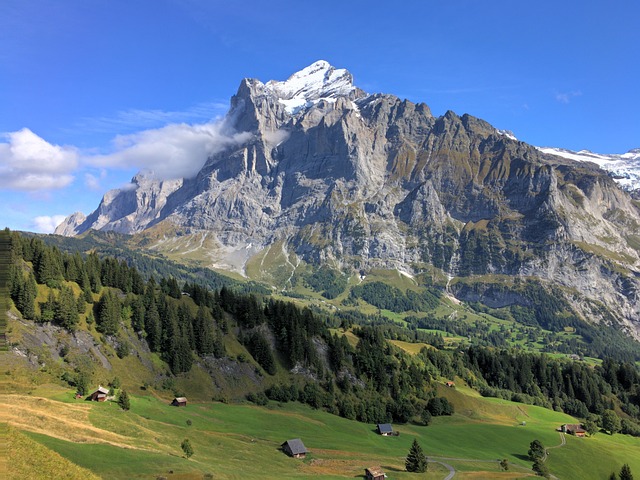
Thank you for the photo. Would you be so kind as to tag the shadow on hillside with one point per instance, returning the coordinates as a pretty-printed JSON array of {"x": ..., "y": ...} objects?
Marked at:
[
  {"x": 392, "y": 469},
  {"x": 522, "y": 457}
]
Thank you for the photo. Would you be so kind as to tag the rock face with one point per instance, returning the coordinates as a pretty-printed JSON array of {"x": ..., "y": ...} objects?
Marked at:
[{"x": 334, "y": 175}]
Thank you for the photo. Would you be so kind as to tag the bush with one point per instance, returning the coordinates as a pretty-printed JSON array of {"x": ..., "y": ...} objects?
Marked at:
[
  {"x": 258, "y": 398},
  {"x": 187, "y": 448}
]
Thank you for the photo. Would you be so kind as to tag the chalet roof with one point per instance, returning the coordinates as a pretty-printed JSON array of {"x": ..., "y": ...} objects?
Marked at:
[
  {"x": 180, "y": 399},
  {"x": 574, "y": 427},
  {"x": 295, "y": 446},
  {"x": 385, "y": 428},
  {"x": 102, "y": 389},
  {"x": 375, "y": 471}
]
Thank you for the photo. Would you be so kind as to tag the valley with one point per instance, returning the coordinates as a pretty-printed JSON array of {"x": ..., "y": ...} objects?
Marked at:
[{"x": 246, "y": 395}]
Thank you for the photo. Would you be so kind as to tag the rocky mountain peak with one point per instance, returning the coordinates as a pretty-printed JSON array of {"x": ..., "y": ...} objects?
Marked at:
[
  {"x": 332, "y": 175},
  {"x": 319, "y": 80}
]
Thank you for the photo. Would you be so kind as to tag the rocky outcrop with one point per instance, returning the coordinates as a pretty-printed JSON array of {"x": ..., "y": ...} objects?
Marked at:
[{"x": 372, "y": 181}]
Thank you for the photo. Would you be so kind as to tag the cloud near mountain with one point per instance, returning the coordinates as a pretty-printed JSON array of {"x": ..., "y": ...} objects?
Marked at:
[
  {"x": 30, "y": 163},
  {"x": 170, "y": 152}
]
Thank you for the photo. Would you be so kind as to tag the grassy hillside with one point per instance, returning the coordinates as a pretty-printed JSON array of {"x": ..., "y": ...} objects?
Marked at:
[{"x": 242, "y": 441}]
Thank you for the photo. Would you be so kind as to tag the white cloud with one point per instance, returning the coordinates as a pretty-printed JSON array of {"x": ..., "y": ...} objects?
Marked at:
[
  {"x": 27, "y": 162},
  {"x": 565, "y": 97},
  {"x": 46, "y": 223},
  {"x": 93, "y": 182},
  {"x": 30, "y": 163},
  {"x": 173, "y": 151}
]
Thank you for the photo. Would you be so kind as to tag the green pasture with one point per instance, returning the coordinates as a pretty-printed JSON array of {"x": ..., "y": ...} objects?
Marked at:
[{"x": 242, "y": 441}]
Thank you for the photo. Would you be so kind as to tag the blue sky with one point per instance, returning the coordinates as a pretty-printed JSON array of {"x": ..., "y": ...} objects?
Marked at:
[{"x": 93, "y": 91}]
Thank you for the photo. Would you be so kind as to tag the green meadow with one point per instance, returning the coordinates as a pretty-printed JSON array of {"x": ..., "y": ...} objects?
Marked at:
[{"x": 234, "y": 441}]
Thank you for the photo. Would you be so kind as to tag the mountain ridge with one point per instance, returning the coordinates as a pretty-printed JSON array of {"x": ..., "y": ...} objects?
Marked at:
[{"x": 362, "y": 181}]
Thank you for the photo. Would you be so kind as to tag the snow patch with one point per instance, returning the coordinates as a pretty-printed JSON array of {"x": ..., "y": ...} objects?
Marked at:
[
  {"x": 318, "y": 81},
  {"x": 507, "y": 133},
  {"x": 623, "y": 168}
]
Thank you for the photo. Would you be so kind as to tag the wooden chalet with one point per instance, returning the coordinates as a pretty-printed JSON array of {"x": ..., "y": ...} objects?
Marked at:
[
  {"x": 384, "y": 429},
  {"x": 179, "y": 402},
  {"x": 374, "y": 473},
  {"x": 100, "y": 395},
  {"x": 450, "y": 384},
  {"x": 573, "y": 429},
  {"x": 294, "y": 448}
]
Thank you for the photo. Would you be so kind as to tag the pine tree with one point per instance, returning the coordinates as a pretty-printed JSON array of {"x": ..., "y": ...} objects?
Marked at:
[
  {"x": 123, "y": 400},
  {"x": 416, "y": 459},
  {"x": 48, "y": 308},
  {"x": 66, "y": 311},
  {"x": 108, "y": 318},
  {"x": 152, "y": 327},
  {"x": 625, "y": 472}
]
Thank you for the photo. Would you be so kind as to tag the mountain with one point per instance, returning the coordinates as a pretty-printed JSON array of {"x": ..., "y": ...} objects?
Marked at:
[
  {"x": 623, "y": 168},
  {"x": 334, "y": 176}
]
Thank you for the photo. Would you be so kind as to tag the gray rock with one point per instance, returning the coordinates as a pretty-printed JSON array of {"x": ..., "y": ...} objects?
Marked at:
[{"x": 372, "y": 181}]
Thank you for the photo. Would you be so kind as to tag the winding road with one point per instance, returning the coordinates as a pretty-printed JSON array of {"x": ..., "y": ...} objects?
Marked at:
[{"x": 452, "y": 471}]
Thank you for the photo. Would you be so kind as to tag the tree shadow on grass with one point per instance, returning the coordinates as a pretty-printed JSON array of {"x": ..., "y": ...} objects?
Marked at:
[
  {"x": 392, "y": 469},
  {"x": 522, "y": 457}
]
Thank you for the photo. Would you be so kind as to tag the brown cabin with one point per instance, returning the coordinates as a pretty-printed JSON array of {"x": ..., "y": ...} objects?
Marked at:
[
  {"x": 573, "y": 429},
  {"x": 100, "y": 395},
  {"x": 294, "y": 448},
  {"x": 179, "y": 402},
  {"x": 374, "y": 473},
  {"x": 450, "y": 384}
]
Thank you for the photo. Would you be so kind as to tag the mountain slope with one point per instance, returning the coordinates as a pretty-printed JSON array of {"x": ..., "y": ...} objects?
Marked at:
[
  {"x": 332, "y": 175},
  {"x": 623, "y": 168}
]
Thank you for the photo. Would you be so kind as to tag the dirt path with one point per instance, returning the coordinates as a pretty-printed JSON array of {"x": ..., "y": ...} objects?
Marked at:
[
  {"x": 563, "y": 442},
  {"x": 452, "y": 471}
]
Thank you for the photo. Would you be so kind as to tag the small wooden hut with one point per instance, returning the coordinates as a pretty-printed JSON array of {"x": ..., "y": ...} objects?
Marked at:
[
  {"x": 100, "y": 395},
  {"x": 294, "y": 448},
  {"x": 384, "y": 429},
  {"x": 179, "y": 402},
  {"x": 374, "y": 473}
]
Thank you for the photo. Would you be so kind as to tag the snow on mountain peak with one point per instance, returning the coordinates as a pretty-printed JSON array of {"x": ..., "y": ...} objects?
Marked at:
[
  {"x": 624, "y": 169},
  {"x": 320, "y": 80}
]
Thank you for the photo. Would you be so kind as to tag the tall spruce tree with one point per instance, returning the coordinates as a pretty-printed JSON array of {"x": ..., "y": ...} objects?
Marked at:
[
  {"x": 123, "y": 400},
  {"x": 67, "y": 309},
  {"x": 416, "y": 459},
  {"x": 108, "y": 318},
  {"x": 625, "y": 472}
]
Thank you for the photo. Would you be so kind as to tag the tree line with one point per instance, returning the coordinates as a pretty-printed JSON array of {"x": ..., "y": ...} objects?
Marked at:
[{"x": 371, "y": 381}]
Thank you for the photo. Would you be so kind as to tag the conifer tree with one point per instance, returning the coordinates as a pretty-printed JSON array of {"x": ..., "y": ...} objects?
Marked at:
[
  {"x": 123, "y": 400},
  {"x": 108, "y": 317},
  {"x": 67, "y": 309},
  {"x": 625, "y": 472},
  {"x": 152, "y": 327},
  {"x": 48, "y": 308},
  {"x": 416, "y": 459}
]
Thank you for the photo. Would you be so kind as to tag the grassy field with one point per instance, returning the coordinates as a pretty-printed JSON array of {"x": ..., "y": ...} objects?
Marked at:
[{"x": 242, "y": 441}]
